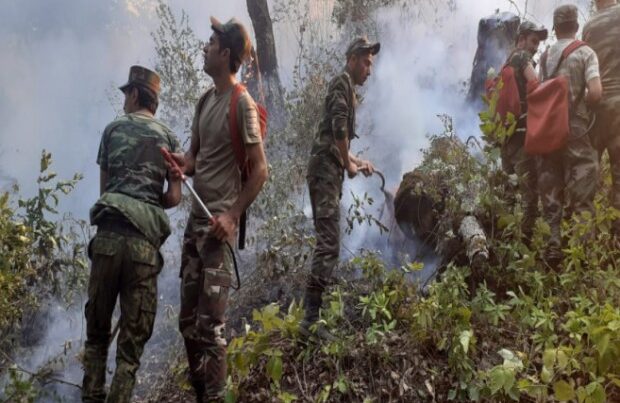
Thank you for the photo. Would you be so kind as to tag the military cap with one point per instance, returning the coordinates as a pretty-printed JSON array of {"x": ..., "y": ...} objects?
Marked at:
[
  {"x": 565, "y": 13},
  {"x": 529, "y": 27},
  {"x": 142, "y": 77},
  {"x": 235, "y": 36},
  {"x": 363, "y": 44}
]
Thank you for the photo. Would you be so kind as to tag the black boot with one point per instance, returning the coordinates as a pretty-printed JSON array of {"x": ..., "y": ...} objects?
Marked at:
[
  {"x": 199, "y": 388},
  {"x": 312, "y": 304}
]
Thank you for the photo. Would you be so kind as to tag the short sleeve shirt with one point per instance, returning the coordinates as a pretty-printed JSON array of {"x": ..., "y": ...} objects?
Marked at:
[
  {"x": 217, "y": 178},
  {"x": 602, "y": 33},
  {"x": 579, "y": 67},
  {"x": 130, "y": 154}
]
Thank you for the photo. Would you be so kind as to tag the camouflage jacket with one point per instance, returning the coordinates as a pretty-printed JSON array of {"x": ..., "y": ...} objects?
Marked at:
[
  {"x": 337, "y": 123},
  {"x": 602, "y": 33},
  {"x": 130, "y": 154}
]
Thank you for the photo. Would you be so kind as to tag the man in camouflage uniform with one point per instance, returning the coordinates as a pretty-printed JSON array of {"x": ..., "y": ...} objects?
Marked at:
[
  {"x": 206, "y": 267},
  {"x": 514, "y": 158},
  {"x": 572, "y": 171},
  {"x": 330, "y": 158},
  {"x": 131, "y": 226},
  {"x": 602, "y": 33}
]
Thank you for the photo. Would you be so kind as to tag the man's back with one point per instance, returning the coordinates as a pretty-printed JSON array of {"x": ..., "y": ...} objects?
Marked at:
[
  {"x": 602, "y": 33},
  {"x": 130, "y": 154},
  {"x": 579, "y": 67}
]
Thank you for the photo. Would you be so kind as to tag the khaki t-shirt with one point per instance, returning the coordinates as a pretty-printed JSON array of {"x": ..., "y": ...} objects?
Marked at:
[{"x": 217, "y": 179}]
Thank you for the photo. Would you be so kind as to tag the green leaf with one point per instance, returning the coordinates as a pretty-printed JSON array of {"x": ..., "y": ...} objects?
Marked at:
[
  {"x": 563, "y": 391},
  {"x": 464, "y": 339},
  {"x": 549, "y": 358},
  {"x": 274, "y": 368}
]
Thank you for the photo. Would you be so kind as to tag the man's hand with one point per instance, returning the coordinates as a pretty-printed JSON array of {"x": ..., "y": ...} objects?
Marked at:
[
  {"x": 366, "y": 168},
  {"x": 176, "y": 172},
  {"x": 351, "y": 170},
  {"x": 224, "y": 226}
]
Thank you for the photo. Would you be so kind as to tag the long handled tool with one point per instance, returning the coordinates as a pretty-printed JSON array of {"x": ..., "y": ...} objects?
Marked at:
[{"x": 204, "y": 208}]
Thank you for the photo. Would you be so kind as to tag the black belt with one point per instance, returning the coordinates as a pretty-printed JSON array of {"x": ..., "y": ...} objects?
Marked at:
[{"x": 120, "y": 226}]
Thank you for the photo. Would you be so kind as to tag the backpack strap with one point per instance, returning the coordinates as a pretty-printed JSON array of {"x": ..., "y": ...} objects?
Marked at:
[
  {"x": 233, "y": 125},
  {"x": 573, "y": 46}
]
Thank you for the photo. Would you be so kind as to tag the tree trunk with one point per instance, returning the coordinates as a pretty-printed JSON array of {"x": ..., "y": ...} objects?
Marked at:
[
  {"x": 496, "y": 39},
  {"x": 266, "y": 86}
]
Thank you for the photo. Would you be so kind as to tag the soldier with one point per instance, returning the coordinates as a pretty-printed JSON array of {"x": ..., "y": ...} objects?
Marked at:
[
  {"x": 574, "y": 168},
  {"x": 514, "y": 158},
  {"x": 131, "y": 226},
  {"x": 330, "y": 157},
  {"x": 430, "y": 208},
  {"x": 602, "y": 33},
  {"x": 206, "y": 265}
]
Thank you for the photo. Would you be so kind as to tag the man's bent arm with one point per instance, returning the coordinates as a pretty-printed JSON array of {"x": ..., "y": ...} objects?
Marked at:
[
  {"x": 172, "y": 197},
  {"x": 343, "y": 147},
  {"x": 190, "y": 155},
  {"x": 595, "y": 91},
  {"x": 258, "y": 176}
]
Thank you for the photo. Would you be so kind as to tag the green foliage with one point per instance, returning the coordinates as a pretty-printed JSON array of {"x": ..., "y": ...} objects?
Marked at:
[{"x": 39, "y": 257}]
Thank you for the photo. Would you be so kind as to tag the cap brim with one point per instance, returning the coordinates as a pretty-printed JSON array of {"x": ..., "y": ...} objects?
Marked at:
[
  {"x": 216, "y": 25},
  {"x": 374, "y": 48},
  {"x": 124, "y": 87},
  {"x": 543, "y": 34}
]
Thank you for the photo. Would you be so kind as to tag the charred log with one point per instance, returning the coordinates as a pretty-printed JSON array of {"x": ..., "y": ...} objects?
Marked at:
[{"x": 496, "y": 37}]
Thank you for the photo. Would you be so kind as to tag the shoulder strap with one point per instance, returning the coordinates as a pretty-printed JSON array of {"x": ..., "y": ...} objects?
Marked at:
[
  {"x": 237, "y": 142},
  {"x": 573, "y": 46}
]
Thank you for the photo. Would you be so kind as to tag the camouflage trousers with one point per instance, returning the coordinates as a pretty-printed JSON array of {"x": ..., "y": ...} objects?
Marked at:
[
  {"x": 325, "y": 193},
  {"x": 123, "y": 264},
  {"x": 607, "y": 137},
  {"x": 568, "y": 177},
  {"x": 206, "y": 270},
  {"x": 516, "y": 161}
]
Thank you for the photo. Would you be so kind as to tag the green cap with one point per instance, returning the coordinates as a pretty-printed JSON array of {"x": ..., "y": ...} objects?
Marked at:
[
  {"x": 234, "y": 36},
  {"x": 529, "y": 27},
  {"x": 565, "y": 13},
  {"x": 142, "y": 77},
  {"x": 363, "y": 44}
]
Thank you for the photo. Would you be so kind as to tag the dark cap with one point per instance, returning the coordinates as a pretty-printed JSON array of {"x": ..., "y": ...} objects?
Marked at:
[
  {"x": 527, "y": 27},
  {"x": 362, "y": 44},
  {"x": 235, "y": 36},
  {"x": 565, "y": 13},
  {"x": 142, "y": 77}
]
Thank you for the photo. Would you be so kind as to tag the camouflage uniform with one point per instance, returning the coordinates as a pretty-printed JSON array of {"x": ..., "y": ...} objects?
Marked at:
[
  {"x": 206, "y": 270},
  {"x": 125, "y": 251},
  {"x": 570, "y": 175},
  {"x": 602, "y": 33},
  {"x": 514, "y": 158},
  {"x": 325, "y": 177}
]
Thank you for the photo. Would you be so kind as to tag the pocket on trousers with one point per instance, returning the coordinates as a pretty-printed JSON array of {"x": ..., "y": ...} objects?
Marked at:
[{"x": 103, "y": 245}]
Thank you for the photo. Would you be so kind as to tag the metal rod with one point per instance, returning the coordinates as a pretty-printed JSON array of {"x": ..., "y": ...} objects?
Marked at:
[{"x": 184, "y": 178}]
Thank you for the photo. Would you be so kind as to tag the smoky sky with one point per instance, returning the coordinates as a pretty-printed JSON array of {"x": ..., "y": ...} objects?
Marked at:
[
  {"x": 61, "y": 63},
  {"x": 63, "y": 59}
]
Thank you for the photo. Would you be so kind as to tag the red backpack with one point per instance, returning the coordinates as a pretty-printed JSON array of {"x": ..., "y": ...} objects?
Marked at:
[
  {"x": 508, "y": 100},
  {"x": 548, "y": 108}
]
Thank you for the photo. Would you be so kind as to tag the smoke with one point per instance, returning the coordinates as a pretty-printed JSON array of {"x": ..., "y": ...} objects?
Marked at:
[
  {"x": 422, "y": 71},
  {"x": 62, "y": 61}
]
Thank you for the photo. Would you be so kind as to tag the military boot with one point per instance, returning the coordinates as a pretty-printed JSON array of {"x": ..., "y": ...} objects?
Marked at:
[
  {"x": 199, "y": 388},
  {"x": 312, "y": 303}
]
